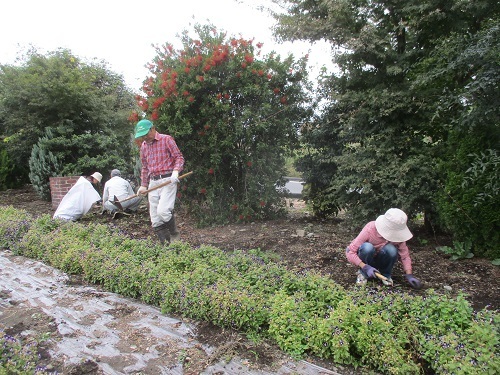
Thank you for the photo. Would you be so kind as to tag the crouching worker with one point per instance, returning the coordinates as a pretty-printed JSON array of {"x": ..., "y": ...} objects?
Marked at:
[
  {"x": 161, "y": 162},
  {"x": 79, "y": 199},
  {"x": 120, "y": 188},
  {"x": 379, "y": 245}
]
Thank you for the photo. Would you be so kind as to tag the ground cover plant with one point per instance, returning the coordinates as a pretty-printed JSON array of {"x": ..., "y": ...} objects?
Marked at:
[{"x": 304, "y": 312}]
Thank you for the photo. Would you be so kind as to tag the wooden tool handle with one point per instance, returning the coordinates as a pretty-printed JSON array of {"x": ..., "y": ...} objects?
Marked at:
[
  {"x": 157, "y": 187},
  {"x": 167, "y": 182},
  {"x": 380, "y": 276}
]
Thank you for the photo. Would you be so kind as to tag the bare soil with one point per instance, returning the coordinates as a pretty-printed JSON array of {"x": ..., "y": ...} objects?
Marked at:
[{"x": 302, "y": 243}]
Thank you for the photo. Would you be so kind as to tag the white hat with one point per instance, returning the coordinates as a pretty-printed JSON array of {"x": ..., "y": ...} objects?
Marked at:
[
  {"x": 97, "y": 176},
  {"x": 392, "y": 226}
]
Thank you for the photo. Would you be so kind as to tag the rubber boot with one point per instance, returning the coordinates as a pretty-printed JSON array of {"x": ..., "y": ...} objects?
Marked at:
[
  {"x": 162, "y": 233},
  {"x": 172, "y": 228}
]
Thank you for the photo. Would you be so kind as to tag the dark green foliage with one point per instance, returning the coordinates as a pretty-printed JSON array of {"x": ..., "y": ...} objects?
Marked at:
[
  {"x": 43, "y": 165},
  {"x": 469, "y": 200},
  {"x": 9, "y": 172},
  {"x": 85, "y": 106},
  {"x": 414, "y": 81}
]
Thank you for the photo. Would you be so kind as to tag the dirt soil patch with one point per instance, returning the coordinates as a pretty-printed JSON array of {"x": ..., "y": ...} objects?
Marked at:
[{"x": 300, "y": 241}]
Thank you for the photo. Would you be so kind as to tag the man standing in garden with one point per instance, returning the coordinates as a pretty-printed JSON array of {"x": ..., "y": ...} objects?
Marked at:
[
  {"x": 161, "y": 161},
  {"x": 377, "y": 247}
]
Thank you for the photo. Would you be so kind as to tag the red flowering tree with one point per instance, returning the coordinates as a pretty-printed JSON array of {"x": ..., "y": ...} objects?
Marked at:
[{"x": 234, "y": 114}]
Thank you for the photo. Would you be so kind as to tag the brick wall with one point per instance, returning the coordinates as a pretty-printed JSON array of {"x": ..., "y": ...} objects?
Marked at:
[{"x": 59, "y": 186}]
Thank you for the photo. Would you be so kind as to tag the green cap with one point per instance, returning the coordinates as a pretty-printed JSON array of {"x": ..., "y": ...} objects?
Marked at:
[{"x": 142, "y": 128}]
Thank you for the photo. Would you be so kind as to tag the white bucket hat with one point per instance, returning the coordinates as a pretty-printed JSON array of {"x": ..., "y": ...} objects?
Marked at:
[
  {"x": 392, "y": 226},
  {"x": 97, "y": 176}
]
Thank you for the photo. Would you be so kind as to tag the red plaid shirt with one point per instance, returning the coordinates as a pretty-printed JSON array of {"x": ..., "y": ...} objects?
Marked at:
[{"x": 159, "y": 157}]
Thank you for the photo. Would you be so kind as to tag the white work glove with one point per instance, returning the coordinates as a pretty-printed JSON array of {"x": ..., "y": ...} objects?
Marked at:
[
  {"x": 142, "y": 190},
  {"x": 175, "y": 177}
]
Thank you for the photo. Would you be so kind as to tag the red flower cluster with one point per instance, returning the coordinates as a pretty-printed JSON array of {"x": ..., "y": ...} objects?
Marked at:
[
  {"x": 142, "y": 103},
  {"x": 249, "y": 164},
  {"x": 158, "y": 102},
  {"x": 203, "y": 191},
  {"x": 211, "y": 171},
  {"x": 134, "y": 117},
  {"x": 249, "y": 58},
  {"x": 234, "y": 207}
]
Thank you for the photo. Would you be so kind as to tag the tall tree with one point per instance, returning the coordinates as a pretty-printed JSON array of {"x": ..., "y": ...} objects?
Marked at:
[
  {"x": 376, "y": 145},
  {"x": 235, "y": 116},
  {"x": 85, "y": 106},
  {"x": 461, "y": 78}
]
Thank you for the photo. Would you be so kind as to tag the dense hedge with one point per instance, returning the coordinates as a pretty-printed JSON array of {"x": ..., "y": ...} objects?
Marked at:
[{"x": 388, "y": 331}]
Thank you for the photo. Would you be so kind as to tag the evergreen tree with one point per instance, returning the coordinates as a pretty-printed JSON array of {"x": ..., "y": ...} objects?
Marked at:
[{"x": 379, "y": 141}]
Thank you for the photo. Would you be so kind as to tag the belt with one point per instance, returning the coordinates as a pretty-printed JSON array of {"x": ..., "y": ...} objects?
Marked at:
[{"x": 160, "y": 176}]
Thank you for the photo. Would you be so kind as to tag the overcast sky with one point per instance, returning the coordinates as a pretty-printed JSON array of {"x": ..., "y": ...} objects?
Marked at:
[{"x": 122, "y": 32}]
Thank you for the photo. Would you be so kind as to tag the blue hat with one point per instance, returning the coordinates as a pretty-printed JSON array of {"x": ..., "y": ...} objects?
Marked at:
[{"x": 142, "y": 128}]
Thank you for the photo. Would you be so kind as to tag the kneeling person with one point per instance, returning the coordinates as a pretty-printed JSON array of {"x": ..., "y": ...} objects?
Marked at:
[
  {"x": 120, "y": 188},
  {"x": 379, "y": 245}
]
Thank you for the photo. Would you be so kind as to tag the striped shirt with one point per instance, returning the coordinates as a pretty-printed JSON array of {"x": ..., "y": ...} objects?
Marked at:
[
  {"x": 370, "y": 234},
  {"x": 160, "y": 157}
]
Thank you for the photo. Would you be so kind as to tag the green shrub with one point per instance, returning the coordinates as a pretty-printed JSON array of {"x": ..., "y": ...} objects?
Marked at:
[
  {"x": 469, "y": 200},
  {"x": 14, "y": 224},
  {"x": 20, "y": 357},
  {"x": 386, "y": 330},
  {"x": 43, "y": 165}
]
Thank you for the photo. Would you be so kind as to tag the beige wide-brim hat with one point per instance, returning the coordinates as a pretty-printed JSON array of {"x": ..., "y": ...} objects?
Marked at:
[
  {"x": 392, "y": 226},
  {"x": 97, "y": 176}
]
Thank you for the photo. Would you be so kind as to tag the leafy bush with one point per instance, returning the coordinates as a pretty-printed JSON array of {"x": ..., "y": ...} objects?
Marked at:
[
  {"x": 388, "y": 331},
  {"x": 10, "y": 173},
  {"x": 469, "y": 201},
  {"x": 460, "y": 250},
  {"x": 14, "y": 224},
  {"x": 19, "y": 357}
]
